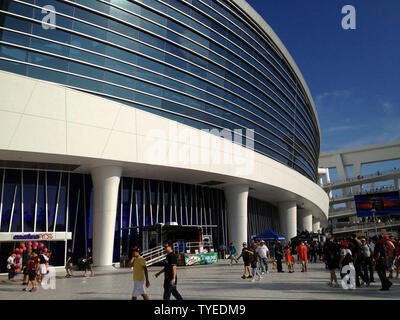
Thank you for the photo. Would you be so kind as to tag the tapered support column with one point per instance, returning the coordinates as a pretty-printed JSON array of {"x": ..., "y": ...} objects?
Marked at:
[
  {"x": 105, "y": 197},
  {"x": 288, "y": 219},
  {"x": 305, "y": 220},
  {"x": 236, "y": 201},
  {"x": 316, "y": 225}
]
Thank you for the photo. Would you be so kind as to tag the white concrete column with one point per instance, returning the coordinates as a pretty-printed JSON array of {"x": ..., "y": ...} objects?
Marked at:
[
  {"x": 396, "y": 182},
  {"x": 288, "y": 219},
  {"x": 236, "y": 201},
  {"x": 105, "y": 197},
  {"x": 305, "y": 220},
  {"x": 316, "y": 225}
]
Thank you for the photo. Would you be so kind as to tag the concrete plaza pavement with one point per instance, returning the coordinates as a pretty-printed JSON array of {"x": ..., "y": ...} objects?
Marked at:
[{"x": 214, "y": 282}]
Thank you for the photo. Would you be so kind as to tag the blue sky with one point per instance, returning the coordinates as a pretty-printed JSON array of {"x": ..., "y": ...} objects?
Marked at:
[{"x": 353, "y": 75}]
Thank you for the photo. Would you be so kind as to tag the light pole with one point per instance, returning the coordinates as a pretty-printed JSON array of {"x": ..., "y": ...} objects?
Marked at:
[{"x": 373, "y": 214}]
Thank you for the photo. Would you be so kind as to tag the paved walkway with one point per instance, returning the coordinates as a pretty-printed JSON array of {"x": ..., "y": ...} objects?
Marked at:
[{"x": 215, "y": 282}]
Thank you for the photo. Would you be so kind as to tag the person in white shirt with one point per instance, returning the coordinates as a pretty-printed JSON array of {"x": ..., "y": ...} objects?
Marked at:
[
  {"x": 11, "y": 267},
  {"x": 263, "y": 252},
  {"x": 42, "y": 267}
]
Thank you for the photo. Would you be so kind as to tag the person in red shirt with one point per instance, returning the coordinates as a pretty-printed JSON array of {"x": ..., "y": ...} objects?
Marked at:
[
  {"x": 33, "y": 269},
  {"x": 289, "y": 259},
  {"x": 302, "y": 252}
]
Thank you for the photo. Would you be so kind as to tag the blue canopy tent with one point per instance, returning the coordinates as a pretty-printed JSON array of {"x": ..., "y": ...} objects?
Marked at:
[{"x": 269, "y": 235}]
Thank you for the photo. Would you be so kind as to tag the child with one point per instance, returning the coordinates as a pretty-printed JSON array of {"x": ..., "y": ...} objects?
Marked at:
[{"x": 289, "y": 259}]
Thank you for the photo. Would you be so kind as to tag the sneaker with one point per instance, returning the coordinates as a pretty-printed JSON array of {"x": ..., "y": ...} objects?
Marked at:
[
  {"x": 263, "y": 272},
  {"x": 337, "y": 285},
  {"x": 267, "y": 271},
  {"x": 25, "y": 289},
  {"x": 243, "y": 277},
  {"x": 330, "y": 284},
  {"x": 250, "y": 277},
  {"x": 252, "y": 280},
  {"x": 34, "y": 289}
]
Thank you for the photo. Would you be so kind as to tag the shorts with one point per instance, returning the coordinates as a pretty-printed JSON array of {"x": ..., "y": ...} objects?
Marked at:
[
  {"x": 89, "y": 266},
  {"x": 246, "y": 263},
  {"x": 138, "y": 288},
  {"x": 303, "y": 260},
  {"x": 32, "y": 275},
  {"x": 42, "y": 269},
  {"x": 289, "y": 260},
  {"x": 26, "y": 271}
]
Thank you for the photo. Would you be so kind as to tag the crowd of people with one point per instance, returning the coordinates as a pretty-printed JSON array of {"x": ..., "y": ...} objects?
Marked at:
[
  {"x": 34, "y": 268},
  {"x": 381, "y": 255},
  {"x": 259, "y": 254}
]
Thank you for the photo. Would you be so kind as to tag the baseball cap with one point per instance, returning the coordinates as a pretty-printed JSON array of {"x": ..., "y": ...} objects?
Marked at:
[
  {"x": 244, "y": 243},
  {"x": 386, "y": 237},
  {"x": 262, "y": 241},
  {"x": 135, "y": 248}
]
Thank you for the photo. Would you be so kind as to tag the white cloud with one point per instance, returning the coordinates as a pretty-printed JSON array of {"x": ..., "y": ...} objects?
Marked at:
[{"x": 333, "y": 94}]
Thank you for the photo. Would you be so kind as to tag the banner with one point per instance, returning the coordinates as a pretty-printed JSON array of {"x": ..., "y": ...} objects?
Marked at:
[
  {"x": 201, "y": 258},
  {"x": 385, "y": 203}
]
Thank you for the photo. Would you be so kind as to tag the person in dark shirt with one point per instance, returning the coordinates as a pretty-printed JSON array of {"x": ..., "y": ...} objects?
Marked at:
[
  {"x": 380, "y": 262},
  {"x": 279, "y": 256},
  {"x": 170, "y": 274},
  {"x": 331, "y": 255},
  {"x": 25, "y": 258},
  {"x": 33, "y": 269},
  {"x": 89, "y": 263},
  {"x": 68, "y": 263},
  {"x": 246, "y": 260}
]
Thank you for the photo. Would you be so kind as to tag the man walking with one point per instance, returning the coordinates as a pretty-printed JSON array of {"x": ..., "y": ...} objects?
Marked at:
[
  {"x": 33, "y": 270},
  {"x": 139, "y": 274},
  {"x": 25, "y": 258},
  {"x": 89, "y": 263},
  {"x": 380, "y": 262},
  {"x": 171, "y": 278},
  {"x": 246, "y": 260},
  {"x": 263, "y": 253},
  {"x": 68, "y": 263}
]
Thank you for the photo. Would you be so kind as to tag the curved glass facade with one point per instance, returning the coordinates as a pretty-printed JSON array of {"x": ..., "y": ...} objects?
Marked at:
[
  {"x": 60, "y": 201},
  {"x": 199, "y": 62}
]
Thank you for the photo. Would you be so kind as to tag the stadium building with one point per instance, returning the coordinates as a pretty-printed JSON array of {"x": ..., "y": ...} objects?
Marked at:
[{"x": 120, "y": 114}]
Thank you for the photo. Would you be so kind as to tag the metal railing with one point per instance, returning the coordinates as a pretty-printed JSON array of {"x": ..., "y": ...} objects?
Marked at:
[
  {"x": 157, "y": 254},
  {"x": 370, "y": 191},
  {"x": 365, "y": 226},
  {"x": 363, "y": 177}
]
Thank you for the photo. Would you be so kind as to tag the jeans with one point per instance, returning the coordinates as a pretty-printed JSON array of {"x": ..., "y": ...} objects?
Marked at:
[
  {"x": 171, "y": 289},
  {"x": 11, "y": 273},
  {"x": 264, "y": 262},
  {"x": 254, "y": 272},
  {"x": 381, "y": 270}
]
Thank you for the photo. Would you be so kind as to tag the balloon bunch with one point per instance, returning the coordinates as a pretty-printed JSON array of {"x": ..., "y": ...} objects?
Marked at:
[{"x": 18, "y": 252}]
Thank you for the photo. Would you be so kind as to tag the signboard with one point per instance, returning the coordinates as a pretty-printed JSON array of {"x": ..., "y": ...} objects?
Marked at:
[
  {"x": 39, "y": 236},
  {"x": 201, "y": 258},
  {"x": 361, "y": 234},
  {"x": 384, "y": 203}
]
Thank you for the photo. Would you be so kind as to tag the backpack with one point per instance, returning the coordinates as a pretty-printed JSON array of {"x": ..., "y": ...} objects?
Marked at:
[
  {"x": 348, "y": 258},
  {"x": 42, "y": 259}
]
